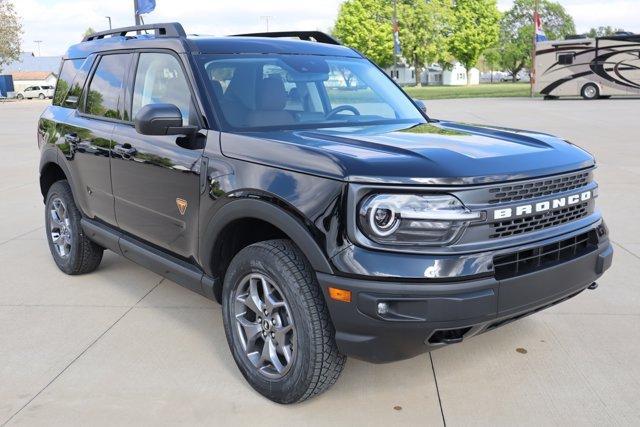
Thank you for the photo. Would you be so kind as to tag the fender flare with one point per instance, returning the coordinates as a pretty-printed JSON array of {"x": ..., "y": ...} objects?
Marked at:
[
  {"x": 268, "y": 212},
  {"x": 50, "y": 156}
]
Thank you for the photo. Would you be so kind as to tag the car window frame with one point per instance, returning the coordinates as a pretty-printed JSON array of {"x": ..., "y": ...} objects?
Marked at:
[
  {"x": 226, "y": 127},
  {"x": 82, "y": 102},
  {"x": 131, "y": 78}
]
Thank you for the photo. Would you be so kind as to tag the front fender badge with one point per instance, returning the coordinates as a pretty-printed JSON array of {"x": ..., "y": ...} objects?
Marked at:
[{"x": 182, "y": 205}]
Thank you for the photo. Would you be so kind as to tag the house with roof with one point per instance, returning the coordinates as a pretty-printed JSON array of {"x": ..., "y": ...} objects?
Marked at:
[
  {"x": 31, "y": 70},
  {"x": 25, "y": 79}
]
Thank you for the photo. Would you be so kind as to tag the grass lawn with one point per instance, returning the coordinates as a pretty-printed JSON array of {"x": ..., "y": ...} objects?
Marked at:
[{"x": 485, "y": 90}]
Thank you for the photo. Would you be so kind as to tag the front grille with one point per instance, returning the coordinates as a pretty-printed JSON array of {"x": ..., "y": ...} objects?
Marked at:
[
  {"x": 538, "y": 222},
  {"x": 534, "y": 189},
  {"x": 527, "y": 261}
]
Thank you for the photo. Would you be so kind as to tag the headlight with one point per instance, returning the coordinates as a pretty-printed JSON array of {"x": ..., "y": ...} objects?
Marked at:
[{"x": 412, "y": 219}]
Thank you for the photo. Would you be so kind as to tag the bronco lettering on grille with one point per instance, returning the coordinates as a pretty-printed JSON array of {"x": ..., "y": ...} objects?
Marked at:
[{"x": 536, "y": 208}]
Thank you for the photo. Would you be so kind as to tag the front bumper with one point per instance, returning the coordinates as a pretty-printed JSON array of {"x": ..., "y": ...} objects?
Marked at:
[{"x": 425, "y": 316}]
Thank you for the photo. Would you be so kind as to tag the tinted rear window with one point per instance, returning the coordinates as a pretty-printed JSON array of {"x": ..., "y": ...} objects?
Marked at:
[{"x": 68, "y": 72}]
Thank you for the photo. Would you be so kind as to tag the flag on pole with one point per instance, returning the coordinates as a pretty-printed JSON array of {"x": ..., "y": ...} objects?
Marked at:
[
  {"x": 540, "y": 35},
  {"x": 145, "y": 6},
  {"x": 397, "y": 49}
]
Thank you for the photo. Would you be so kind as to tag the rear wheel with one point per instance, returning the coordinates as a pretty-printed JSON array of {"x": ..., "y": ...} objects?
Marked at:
[
  {"x": 277, "y": 323},
  {"x": 41, "y": 96},
  {"x": 590, "y": 91},
  {"x": 20, "y": 96},
  {"x": 72, "y": 251}
]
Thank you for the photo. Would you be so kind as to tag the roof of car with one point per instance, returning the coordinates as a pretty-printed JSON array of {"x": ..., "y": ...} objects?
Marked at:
[
  {"x": 172, "y": 36},
  {"x": 236, "y": 44}
]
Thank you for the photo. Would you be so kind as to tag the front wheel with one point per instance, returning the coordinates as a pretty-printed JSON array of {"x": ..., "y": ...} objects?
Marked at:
[
  {"x": 277, "y": 323},
  {"x": 590, "y": 91}
]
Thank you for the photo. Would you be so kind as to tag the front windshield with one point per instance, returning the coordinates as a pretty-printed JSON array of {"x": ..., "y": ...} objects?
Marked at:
[{"x": 303, "y": 91}]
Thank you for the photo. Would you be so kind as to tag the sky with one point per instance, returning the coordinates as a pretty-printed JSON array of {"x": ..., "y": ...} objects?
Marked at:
[{"x": 59, "y": 23}]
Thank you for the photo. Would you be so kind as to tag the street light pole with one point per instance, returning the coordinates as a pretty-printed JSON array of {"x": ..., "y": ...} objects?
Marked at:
[
  {"x": 266, "y": 18},
  {"x": 109, "y": 18}
]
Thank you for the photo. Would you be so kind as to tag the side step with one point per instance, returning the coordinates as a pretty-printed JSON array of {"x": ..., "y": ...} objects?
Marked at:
[{"x": 175, "y": 269}]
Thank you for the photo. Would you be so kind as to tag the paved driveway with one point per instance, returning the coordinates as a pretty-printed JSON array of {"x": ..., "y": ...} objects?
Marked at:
[{"x": 124, "y": 346}]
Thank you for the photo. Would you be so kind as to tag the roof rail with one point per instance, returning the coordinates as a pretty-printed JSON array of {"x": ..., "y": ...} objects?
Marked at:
[
  {"x": 171, "y": 29},
  {"x": 317, "y": 36}
]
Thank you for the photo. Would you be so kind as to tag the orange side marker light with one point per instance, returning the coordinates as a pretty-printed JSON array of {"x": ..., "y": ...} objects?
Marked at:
[{"x": 340, "y": 294}]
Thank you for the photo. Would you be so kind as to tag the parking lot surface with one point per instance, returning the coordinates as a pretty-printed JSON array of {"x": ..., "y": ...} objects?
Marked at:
[{"x": 125, "y": 346}]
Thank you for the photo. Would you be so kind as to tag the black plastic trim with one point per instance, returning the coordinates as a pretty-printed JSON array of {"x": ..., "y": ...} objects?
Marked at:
[
  {"x": 171, "y": 29},
  {"x": 183, "y": 273}
]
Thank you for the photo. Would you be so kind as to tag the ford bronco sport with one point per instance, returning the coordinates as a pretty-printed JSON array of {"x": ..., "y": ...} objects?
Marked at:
[{"x": 296, "y": 184}]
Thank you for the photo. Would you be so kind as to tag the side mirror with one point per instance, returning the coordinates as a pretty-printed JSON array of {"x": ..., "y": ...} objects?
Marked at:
[
  {"x": 421, "y": 105},
  {"x": 161, "y": 119}
]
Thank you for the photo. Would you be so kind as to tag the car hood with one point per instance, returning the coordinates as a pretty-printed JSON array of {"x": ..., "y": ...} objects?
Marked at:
[{"x": 440, "y": 152}]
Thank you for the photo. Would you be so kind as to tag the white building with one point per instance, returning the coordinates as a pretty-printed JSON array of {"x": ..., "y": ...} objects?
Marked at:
[
  {"x": 457, "y": 76},
  {"x": 25, "y": 79},
  {"x": 402, "y": 74}
]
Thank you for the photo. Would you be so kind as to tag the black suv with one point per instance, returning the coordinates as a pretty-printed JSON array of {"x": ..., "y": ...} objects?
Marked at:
[{"x": 295, "y": 183}]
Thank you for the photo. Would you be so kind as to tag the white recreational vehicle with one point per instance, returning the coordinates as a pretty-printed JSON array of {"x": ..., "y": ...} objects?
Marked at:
[{"x": 591, "y": 68}]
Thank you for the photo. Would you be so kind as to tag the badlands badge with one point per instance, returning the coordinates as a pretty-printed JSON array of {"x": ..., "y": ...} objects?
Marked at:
[{"x": 182, "y": 205}]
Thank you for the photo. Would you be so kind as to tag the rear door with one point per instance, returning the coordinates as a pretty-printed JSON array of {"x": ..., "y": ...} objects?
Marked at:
[
  {"x": 156, "y": 179},
  {"x": 86, "y": 135}
]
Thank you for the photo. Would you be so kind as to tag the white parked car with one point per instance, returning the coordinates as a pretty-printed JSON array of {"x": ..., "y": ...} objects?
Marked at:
[{"x": 41, "y": 92}]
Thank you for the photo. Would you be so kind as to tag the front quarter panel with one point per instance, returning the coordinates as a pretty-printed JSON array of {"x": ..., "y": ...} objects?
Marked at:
[{"x": 312, "y": 202}]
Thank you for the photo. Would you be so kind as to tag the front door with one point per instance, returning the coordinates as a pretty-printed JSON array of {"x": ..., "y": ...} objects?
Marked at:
[{"x": 156, "y": 181}]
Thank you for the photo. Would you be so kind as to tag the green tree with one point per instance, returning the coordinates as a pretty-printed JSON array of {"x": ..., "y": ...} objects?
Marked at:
[
  {"x": 88, "y": 32},
  {"x": 10, "y": 32},
  {"x": 476, "y": 27},
  {"x": 490, "y": 60},
  {"x": 424, "y": 28},
  {"x": 603, "y": 31},
  {"x": 516, "y": 31},
  {"x": 366, "y": 26}
]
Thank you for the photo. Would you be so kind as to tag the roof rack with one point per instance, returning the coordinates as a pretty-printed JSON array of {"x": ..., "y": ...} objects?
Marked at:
[
  {"x": 171, "y": 29},
  {"x": 317, "y": 36}
]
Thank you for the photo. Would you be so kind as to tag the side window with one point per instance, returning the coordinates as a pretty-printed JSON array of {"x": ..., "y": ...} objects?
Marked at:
[
  {"x": 565, "y": 58},
  {"x": 104, "y": 91},
  {"x": 160, "y": 79}
]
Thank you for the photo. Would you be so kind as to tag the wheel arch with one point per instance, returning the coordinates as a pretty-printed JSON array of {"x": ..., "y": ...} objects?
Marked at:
[
  {"x": 266, "y": 221},
  {"x": 50, "y": 172}
]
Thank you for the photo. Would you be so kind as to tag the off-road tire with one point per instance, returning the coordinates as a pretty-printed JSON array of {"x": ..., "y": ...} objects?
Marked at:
[
  {"x": 317, "y": 363},
  {"x": 84, "y": 256}
]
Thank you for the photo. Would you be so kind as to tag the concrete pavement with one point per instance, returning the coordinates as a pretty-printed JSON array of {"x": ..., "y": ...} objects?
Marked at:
[{"x": 124, "y": 346}]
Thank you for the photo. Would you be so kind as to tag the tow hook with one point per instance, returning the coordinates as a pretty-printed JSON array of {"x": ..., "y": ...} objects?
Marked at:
[{"x": 593, "y": 286}]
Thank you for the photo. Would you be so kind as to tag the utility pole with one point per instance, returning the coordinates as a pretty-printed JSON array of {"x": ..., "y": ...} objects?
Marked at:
[
  {"x": 109, "y": 18},
  {"x": 266, "y": 19},
  {"x": 38, "y": 43},
  {"x": 532, "y": 72},
  {"x": 394, "y": 23}
]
